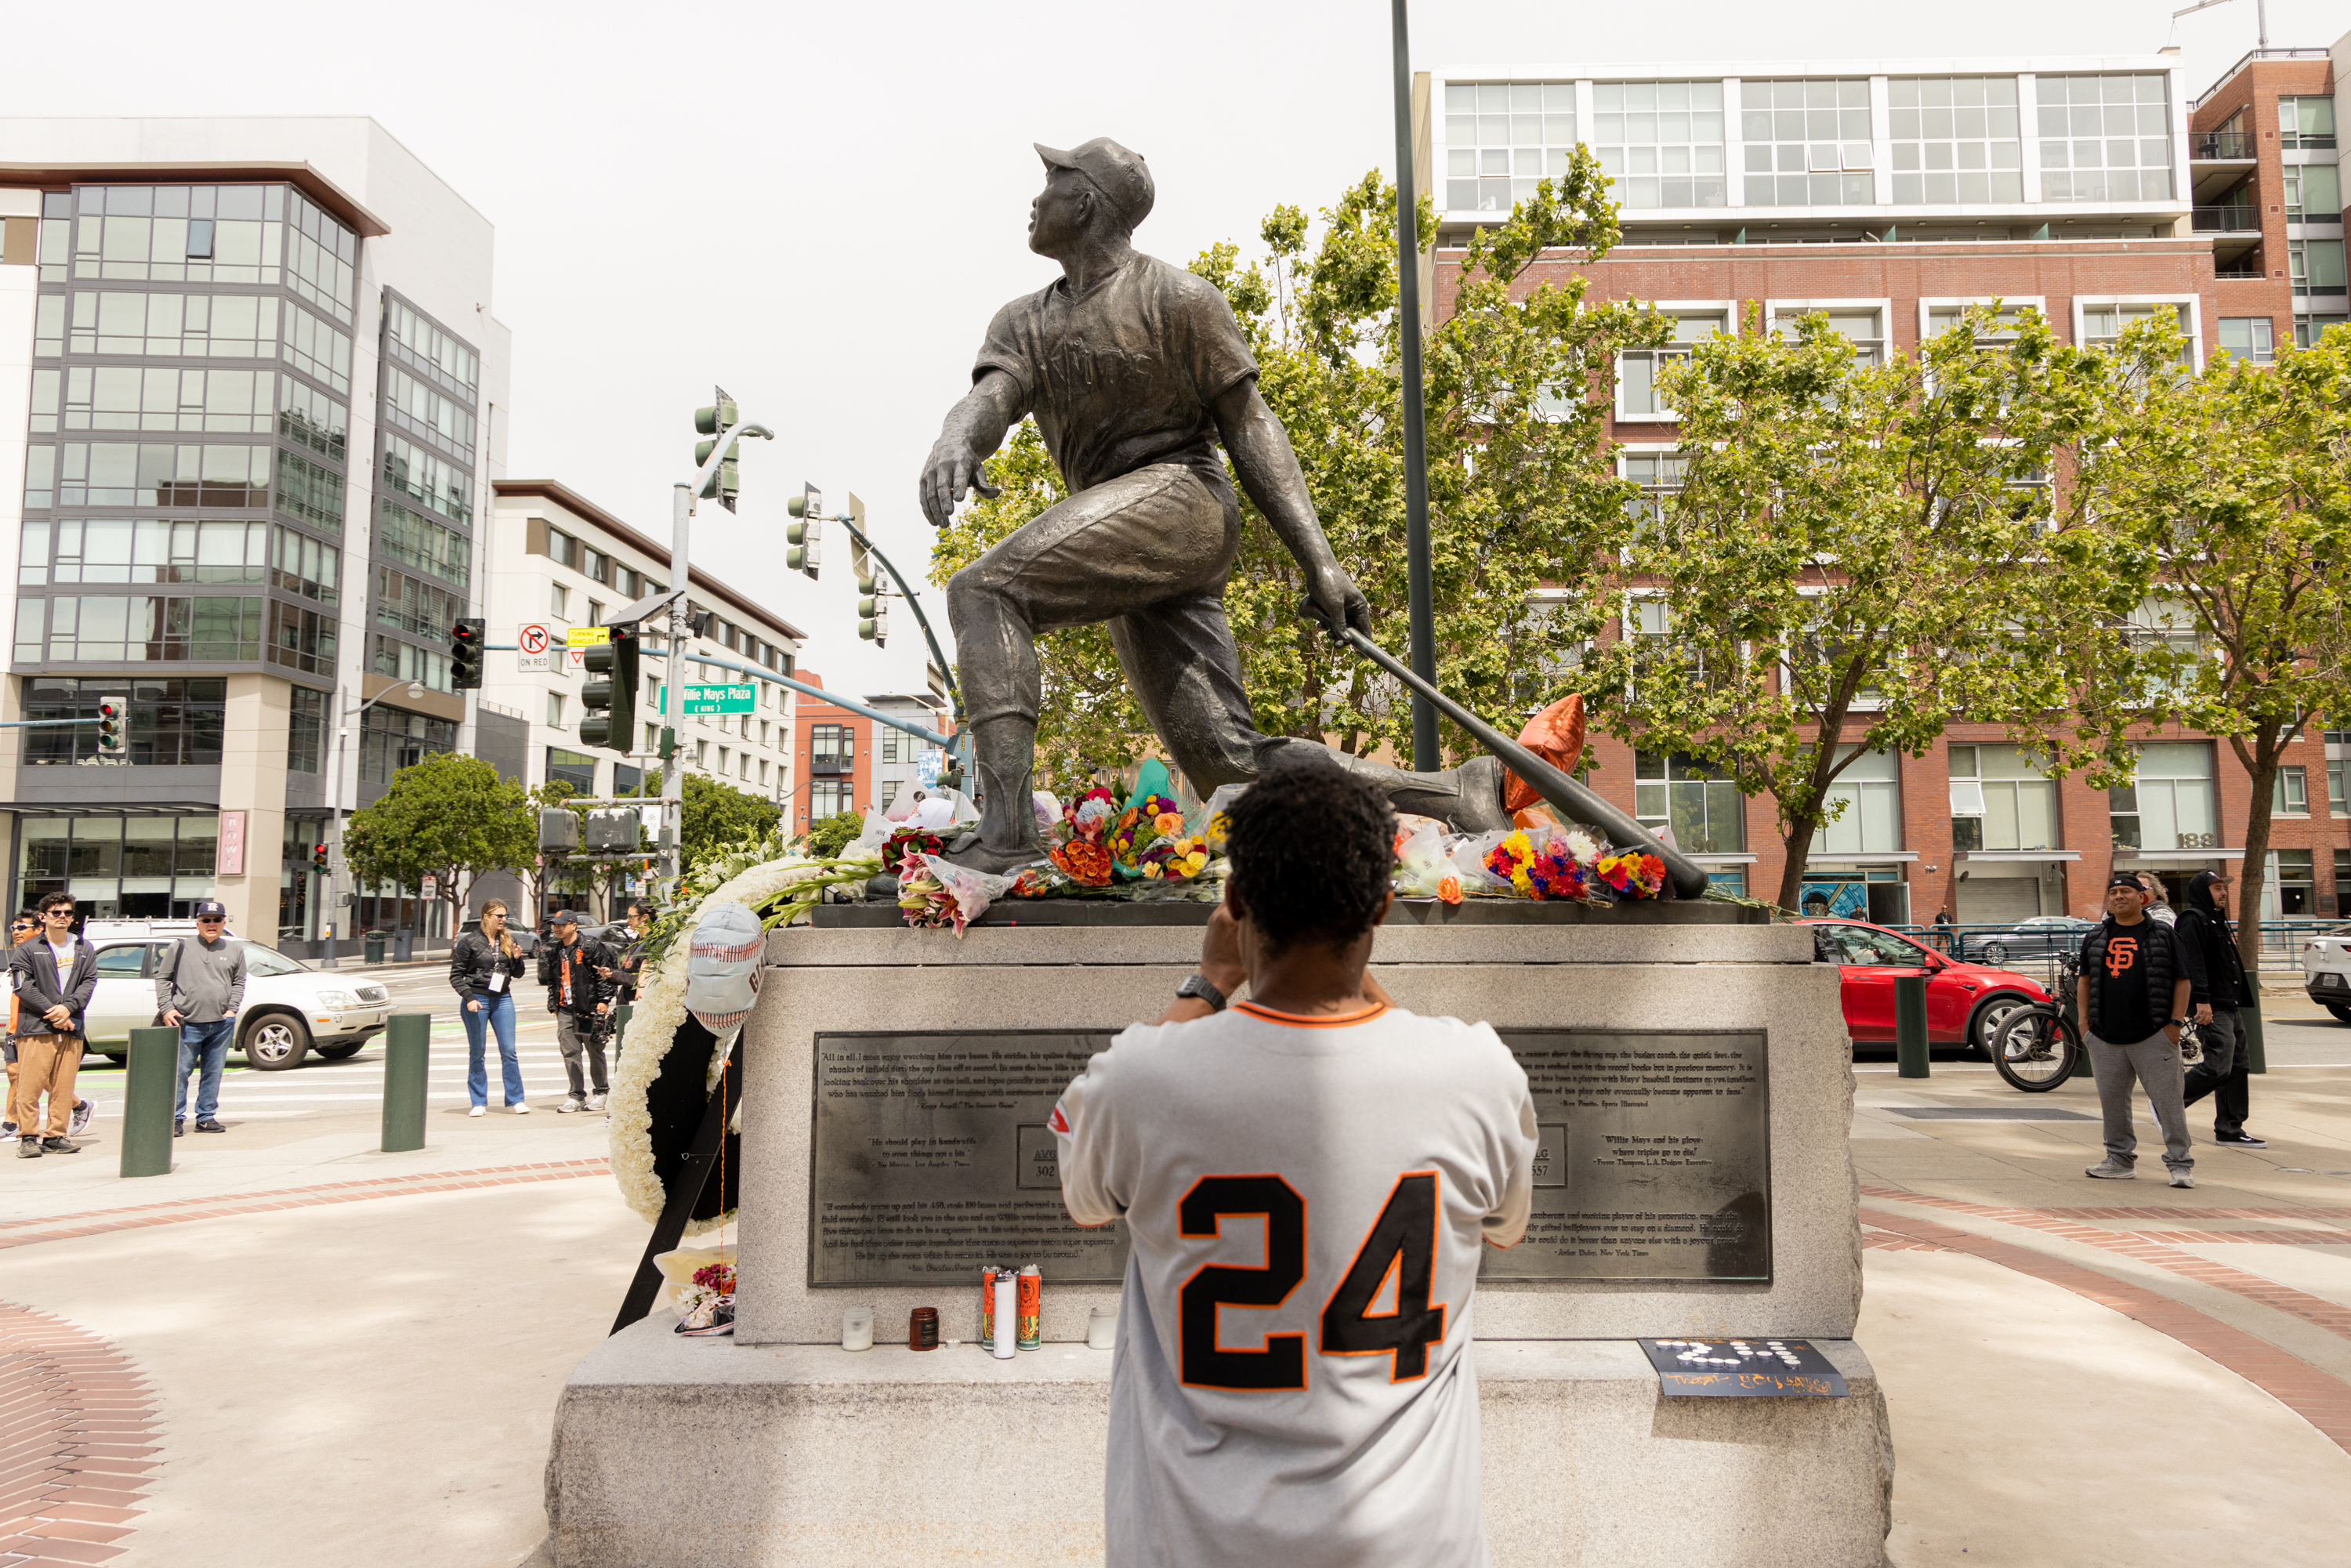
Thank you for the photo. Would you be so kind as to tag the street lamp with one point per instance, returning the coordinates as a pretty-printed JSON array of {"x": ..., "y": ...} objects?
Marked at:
[{"x": 412, "y": 690}]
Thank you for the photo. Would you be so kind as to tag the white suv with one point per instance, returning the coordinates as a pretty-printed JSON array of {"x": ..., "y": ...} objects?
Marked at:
[
  {"x": 2326, "y": 971},
  {"x": 290, "y": 1008}
]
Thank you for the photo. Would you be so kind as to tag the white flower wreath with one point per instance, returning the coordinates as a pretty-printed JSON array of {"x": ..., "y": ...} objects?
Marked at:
[{"x": 660, "y": 1009}]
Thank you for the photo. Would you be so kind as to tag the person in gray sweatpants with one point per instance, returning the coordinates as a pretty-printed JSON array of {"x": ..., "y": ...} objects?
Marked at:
[{"x": 2133, "y": 993}]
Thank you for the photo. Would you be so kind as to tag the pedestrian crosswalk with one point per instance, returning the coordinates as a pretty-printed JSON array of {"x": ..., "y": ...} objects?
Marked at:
[{"x": 320, "y": 1085}]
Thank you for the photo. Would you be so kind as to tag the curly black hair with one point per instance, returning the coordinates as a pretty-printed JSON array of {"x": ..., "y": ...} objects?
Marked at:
[{"x": 1313, "y": 851}]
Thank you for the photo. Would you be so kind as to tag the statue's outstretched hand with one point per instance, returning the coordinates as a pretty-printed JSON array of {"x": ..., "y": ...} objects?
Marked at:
[
  {"x": 1335, "y": 603},
  {"x": 953, "y": 470}
]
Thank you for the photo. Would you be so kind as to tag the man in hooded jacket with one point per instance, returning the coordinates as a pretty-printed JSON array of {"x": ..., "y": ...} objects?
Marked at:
[{"x": 2218, "y": 991}]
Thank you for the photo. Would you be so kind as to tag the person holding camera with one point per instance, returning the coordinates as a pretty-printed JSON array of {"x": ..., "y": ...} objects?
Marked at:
[{"x": 573, "y": 969}]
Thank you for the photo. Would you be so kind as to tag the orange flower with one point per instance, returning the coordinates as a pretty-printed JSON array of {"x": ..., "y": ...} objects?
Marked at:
[
  {"x": 1449, "y": 889},
  {"x": 1086, "y": 862},
  {"x": 1167, "y": 824}
]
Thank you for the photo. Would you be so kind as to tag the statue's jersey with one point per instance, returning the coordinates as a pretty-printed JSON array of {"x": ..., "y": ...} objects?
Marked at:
[
  {"x": 1306, "y": 1198},
  {"x": 1124, "y": 375}
]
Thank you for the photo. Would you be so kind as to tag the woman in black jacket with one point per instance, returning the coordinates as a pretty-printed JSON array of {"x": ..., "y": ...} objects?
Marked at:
[{"x": 484, "y": 964}]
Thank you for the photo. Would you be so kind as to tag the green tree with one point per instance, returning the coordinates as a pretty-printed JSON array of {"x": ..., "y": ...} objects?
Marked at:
[
  {"x": 2238, "y": 483},
  {"x": 718, "y": 817},
  {"x": 449, "y": 817},
  {"x": 834, "y": 835},
  {"x": 1861, "y": 553},
  {"x": 1520, "y": 493}
]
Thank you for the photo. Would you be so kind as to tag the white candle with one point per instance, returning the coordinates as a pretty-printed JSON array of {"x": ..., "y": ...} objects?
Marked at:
[
  {"x": 857, "y": 1328},
  {"x": 1102, "y": 1328},
  {"x": 1007, "y": 1303}
]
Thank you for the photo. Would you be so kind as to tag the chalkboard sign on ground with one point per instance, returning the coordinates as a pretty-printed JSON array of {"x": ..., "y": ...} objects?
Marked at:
[{"x": 1742, "y": 1368}]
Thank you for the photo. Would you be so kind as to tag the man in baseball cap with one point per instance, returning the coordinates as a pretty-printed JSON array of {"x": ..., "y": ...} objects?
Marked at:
[
  {"x": 1135, "y": 372},
  {"x": 199, "y": 990}
]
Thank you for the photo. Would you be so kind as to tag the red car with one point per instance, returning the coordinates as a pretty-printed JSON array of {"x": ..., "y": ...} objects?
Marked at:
[{"x": 1965, "y": 1002}]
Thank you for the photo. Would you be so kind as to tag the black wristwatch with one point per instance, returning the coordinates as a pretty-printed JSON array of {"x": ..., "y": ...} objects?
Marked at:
[{"x": 1201, "y": 987}]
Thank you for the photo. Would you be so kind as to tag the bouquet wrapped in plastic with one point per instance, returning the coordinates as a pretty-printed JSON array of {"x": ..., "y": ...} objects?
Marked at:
[
  {"x": 1159, "y": 836},
  {"x": 1080, "y": 855},
  {"x": 1544, "y": 863},
  {"x": 935, "y": 892},
  {"x": 1632, "y": 874},
  {"x": 1422, "y": 869}
]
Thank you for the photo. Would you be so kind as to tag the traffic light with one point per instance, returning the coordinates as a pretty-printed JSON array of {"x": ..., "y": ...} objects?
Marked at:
[
  {"x": 112, "y": 711},
  {"x": 873, "y": 611},
  {"x": 465, "y": 643},
  {"x": 874, "y": 620},
  {"x": 318, "y": 858},
  {"x": 610, "y": 694},
  {"x": 803, "y": 554},
  {"x": 715, "y": 421}
]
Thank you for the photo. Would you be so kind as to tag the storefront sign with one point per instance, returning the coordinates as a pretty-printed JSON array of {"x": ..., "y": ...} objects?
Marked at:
[{"x": 228, "y": 860}]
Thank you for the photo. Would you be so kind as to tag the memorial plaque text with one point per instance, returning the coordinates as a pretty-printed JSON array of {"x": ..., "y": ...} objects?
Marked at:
[
  {"x": 1653, "y": 1161},
  {"x": 931, "y": 1157}
]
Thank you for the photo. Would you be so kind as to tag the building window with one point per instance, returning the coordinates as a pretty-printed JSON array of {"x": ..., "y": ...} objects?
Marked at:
[
  {"x": 2294, "y": 891},
  {"x": 563, "y": 548},
  {"x": 429, "y": 478},
  {"x": 597, "y": 565},
  {"x": 2248, "y": 337},
  {"x": 827, "y": 798},
  {"x": 1808, "y": 143},
  {"x": 1501, "y": 138},
  {"x": 189, "y": 326},
  {"x": 1941, "y": 318},
  {"x": 576, "y": 769},
  {"x": 2337, "y": 805},
  {"x": 2314, "y": 194},
  {"x": 1696, "y": 798},
  {"x": 2105, "y": 139},
  {"x": 2170, "y": 805},
  {"x": 175, "y": 233},
  {"x": 121, "y": 473},
  {"x": 317, "y": 351},
  {"x": 418, "y": 343},
  {"x": 2291, "y": 797},
  {"x": 889, "y": 746},
  {"x": 558, "y": 600},
  {"x": 2342, "y": 879},
  {"x": 153, "y": 398},
  {"x": 167, "y": 724},
  {"x": 2305, "y": 122},
  {"x": 1863, "y": 328},
  {"x": 1999, "y": 800},
  {"x": 1661, "y": 141},
  {"x": 555, "y": 710},
  {"x": 120, "y": 867},
  {"x": 407, "y": 662},
  {"x": 140, "y": 630},
  {"x": 309, "y": 416},
  {"x": 723, "y": 753},
  {"x": 2315, "y": 266},
  {"x": 417, "y": 608},
  {"x": 118, "y": 549},
  {"x": 306, "y": 491},
  {"x": 411, "y": 541},
  {"x": 831, "y": 748},
  {"x": 302, "y": 640},
  {"x": 391, "y": 739},
  {"x": 2307, "y": 330},
  {"x": 1637, "y": 396},
  {"x": 2102, "y": 324},
  {"x": 595, "y": 612},
  {"x": 1870, "y": 792},
  {"x": 763, "y": 773},
  {"x": 1955, "y": 139},
  {"x": 306, "y": 730}
]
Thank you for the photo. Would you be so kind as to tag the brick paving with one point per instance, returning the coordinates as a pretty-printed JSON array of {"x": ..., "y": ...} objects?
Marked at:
[
  {"x": 76, "y": 1442},
  {"x": 2317, "y": 1397},
  {"x": 2138, "y": 1247},
  {"x": 57, "y": 1227}
]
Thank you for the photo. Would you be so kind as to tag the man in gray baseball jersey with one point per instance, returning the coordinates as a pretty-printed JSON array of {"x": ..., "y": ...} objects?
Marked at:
[
  {"x": 1287, "y": 1391},
  {"x": 1134, "y": 370}
]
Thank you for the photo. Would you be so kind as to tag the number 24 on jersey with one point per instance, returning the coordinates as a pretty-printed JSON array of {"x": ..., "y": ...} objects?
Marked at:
[{"x": 1401, "y": 1244}]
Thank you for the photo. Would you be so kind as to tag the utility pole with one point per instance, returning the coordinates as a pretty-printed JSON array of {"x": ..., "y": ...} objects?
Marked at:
[{"x": 1422, "y": 652}]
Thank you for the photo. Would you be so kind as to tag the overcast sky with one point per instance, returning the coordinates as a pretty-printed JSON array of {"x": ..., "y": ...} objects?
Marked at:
[{"x": 837, "y": 282}]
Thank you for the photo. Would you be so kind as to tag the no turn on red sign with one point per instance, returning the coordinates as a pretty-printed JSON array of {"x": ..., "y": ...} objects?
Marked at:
[{"x": 532, "y": 642}]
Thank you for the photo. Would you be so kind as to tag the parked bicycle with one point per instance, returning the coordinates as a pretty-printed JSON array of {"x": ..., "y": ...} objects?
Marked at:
[{"x": 2038, "y": 1046}]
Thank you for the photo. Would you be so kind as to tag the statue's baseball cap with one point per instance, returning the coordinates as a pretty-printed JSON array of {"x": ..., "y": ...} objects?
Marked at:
[{"x": 1117, "y": 173}]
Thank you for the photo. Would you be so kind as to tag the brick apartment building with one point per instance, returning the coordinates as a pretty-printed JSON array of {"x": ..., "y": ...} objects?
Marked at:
[{"x": 1888, "y": 195}]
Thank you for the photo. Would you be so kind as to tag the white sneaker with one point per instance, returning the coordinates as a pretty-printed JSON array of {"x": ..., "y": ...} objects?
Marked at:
[
  {"x": 478, "y": 1110},
  {"x": 595, "y": 1101},
  {"x": 522, "y": 1108},
  {"x": 571, "y": 1102}
]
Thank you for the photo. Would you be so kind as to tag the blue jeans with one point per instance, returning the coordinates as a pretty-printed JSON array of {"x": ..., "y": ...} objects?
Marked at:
[
  {"x": 204, "y": 1050},
  {"x": 495, "y": 1012}
]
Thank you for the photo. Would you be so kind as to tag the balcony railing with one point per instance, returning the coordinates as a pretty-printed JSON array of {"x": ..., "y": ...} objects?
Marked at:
[
  {"x": 2213, "y": 145},
  {"x": 2227, "y": 220},
  {"x": 2240, "y": 274},
  {"x": 831, "y": 767}
]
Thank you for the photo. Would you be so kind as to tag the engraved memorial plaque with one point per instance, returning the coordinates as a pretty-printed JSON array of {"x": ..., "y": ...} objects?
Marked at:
[
  {"x": 1654, "y": 1158},
  {"x": 931, "y": 1157}
]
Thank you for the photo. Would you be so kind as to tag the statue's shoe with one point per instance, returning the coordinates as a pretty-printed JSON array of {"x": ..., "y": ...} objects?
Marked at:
[{"x": 1468, "y": 799}]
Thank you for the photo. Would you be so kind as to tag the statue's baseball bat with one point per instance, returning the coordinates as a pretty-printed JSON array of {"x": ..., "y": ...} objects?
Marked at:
[{"x": 1687, "y": 878}]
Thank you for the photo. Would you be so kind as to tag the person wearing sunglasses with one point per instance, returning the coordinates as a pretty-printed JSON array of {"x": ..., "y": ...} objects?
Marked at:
[
  {"x": 483, "y": 967},
  {"x": 22, "y": 930},
  {"x": 55, "y": 975},
  {"x": 200, "y": 990}
]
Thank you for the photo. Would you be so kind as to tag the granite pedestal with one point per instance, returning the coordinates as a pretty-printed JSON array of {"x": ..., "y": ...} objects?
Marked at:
[{"x": 779, "y": 1447}]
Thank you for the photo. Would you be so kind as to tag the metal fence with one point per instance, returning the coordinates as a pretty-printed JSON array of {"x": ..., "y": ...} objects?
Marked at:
[{"x": 2026, "y": 948}]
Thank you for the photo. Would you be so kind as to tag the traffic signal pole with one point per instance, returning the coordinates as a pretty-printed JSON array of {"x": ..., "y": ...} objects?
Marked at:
[{"x": 680, "y": 558}]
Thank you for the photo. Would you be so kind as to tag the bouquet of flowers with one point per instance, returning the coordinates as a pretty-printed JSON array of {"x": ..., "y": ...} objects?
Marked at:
[
  {"x": 707, "y": 1306},
  {"x": 1630, "y": 873},
  {"x": 1155, "y": 838},
  {"x": 1082, "y": 857},
  {"x": 1421, "y": 870},
  {"x": 935, "y": 892},
  {"x": 907, "y": 839},
  {"x": 1548, "y": 863}
]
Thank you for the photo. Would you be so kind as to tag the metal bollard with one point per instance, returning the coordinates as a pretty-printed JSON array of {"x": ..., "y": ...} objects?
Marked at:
[
  {"x": 153, "y": 1058},
  {"x": 2257, "y": 1058},
  {"x": 407, "y": 1056},
  {"x": 1910, "y": 1024}
]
